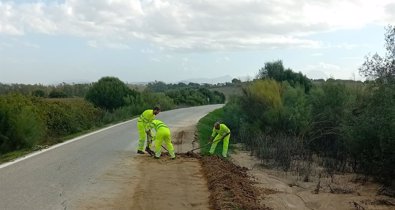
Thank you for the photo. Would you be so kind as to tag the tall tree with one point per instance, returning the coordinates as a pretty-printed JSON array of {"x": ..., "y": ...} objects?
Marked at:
[
  {"x": 275, "y": 70},
  {"x": 109, "y": 93},
  {"x": 382, "y": 68}
]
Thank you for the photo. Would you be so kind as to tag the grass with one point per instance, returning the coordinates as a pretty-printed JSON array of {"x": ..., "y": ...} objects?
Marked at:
[
  {"x": 205, "y": 128},
  {"x": 14, "y": 155}
]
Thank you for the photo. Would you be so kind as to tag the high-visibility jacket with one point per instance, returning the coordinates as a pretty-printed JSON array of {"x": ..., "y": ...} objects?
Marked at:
[
  {"x": 147, "y": 117},
  {"x": 223, "y": 130},
  {"x": 162, "y": 135},
  {"x": 157, "y": 124}
]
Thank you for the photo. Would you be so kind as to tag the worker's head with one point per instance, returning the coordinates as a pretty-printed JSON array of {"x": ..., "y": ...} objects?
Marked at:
[
  {"x": 216, "y": 125},
  {"x": 156, "y": 110}
]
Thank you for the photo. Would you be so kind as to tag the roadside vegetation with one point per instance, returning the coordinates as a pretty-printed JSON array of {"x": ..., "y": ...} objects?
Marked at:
[
  {"x": 35, "y": 116},
  {"x": 191, "y": 94},
  {"x": 205, "y": 128},
  {"x": 343, "y": 126}
]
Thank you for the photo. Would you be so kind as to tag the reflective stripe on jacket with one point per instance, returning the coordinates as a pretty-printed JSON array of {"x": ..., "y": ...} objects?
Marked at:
[
  {"x": 156, "y": 124},
  {"x": 147, "y": 116}
]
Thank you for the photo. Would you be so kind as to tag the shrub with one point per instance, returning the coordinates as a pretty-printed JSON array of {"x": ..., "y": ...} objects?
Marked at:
[
  {"x": 68, "y": 116},
  {"x": 20, "y": 123},
  {"x": 109, "y": 93}
]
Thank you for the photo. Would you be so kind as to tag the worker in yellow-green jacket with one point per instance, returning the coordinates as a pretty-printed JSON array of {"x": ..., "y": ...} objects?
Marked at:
[
  {"x": 162, "y": 134},
  {"x": 143, "y": 127},
  {"x": 220, "y": 132}
]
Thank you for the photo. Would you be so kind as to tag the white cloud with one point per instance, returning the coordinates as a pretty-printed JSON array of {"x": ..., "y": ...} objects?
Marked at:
[
  {"x": 147, "y": 51},
  {"x": 389, "y": 13},
  {"x": 316, "y": 74},
  {"x": 324, "y": 70},
  {"x": 194, "y": 25},
  {"x": 107, "y": 44},
  {"x": 317, "y": 54},
  {"x": 222, "y": 59},
  {"x": 323, "y": 66},
  {"x": 157, "y": 60}
]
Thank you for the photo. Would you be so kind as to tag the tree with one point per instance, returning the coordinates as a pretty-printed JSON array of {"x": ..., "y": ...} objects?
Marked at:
[
  {"x": 261, "y": 103},
  {"x": 275, "y": 70},
  {"x": 372, "y": 133},
  {"x": 236, "y": 81},
  {"x": 38, "y": 93},
  {"x": 382, "y": 69},
  {"x": 157, "y": 86},
  {"x": 109, "y": 93},
  {"x": 328, "y": 107},
  {"x": 57, "y": 94}
]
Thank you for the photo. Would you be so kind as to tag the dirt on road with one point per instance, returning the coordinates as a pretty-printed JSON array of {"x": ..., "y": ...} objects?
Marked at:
[
  {"x": 142, "y": 182},
  {"x": 188, "y": 182},
  {"x": 194, "y": 182}
]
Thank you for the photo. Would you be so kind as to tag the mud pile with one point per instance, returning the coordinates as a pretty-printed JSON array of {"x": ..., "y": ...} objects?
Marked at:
[{"x": 230, "y": 185}]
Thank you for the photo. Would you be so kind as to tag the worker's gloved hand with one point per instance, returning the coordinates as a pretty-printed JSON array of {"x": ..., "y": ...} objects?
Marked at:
[{"x": 148, "y": 132}]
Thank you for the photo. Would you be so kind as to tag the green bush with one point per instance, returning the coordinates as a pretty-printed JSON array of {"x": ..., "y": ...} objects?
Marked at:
[
  {"x": 39, "y": 93},
  {"x": 296, "y": 111},
  {"x": 192, "y": 94},
  {"x": 109, "y": 93},
  {"x": 57, "y": 94},
  {"x": 262, "y": 104},
  {"x": 329, "y": 105},
  {"x": 233, "y": 116},
  {"x": 205, "y": 128},
  {"x": 68, "y": 116},
  {"x": 275, "y": 70},
  {"x": 370, "y": 133},
  {"x": 20, "y": 123},
  {"x": 158, "y": 99}
]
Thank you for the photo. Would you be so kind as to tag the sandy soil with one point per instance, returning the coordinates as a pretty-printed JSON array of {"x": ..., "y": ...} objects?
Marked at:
[
  {"x": 143, "y": 182},
  {"x": 194, "y": 182},
  {"x": 341, "y": 192},
  {"x": 170, "y": 184}
]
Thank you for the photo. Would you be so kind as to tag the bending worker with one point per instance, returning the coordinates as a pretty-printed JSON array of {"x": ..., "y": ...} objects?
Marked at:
[
  {"x": 220, "y": 132},
  {"x": 162, "y": 134},
  {"x": 143, "y": 126}
]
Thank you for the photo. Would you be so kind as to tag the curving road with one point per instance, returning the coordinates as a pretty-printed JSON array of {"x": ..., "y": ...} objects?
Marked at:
[{"x": 56, "y": 177}]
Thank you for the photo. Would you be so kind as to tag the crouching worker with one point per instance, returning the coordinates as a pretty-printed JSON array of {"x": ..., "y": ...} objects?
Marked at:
[
  {"x": 162, "y": 134},
  {"x": 143, "y": 126},
  {"x": 220, "y": 132}
]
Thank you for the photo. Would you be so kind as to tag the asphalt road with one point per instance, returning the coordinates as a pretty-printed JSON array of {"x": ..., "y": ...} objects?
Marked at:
[{"x": 56, "y": 177}]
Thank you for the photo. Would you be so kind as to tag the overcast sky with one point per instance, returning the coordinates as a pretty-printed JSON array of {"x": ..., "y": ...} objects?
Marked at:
[{"x": 52, "y": 41}]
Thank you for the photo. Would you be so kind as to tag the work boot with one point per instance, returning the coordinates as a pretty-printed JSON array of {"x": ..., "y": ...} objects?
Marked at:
[
  {"x": 173, "y": 158},
  {"x": 140, "y": 152},
  {"x": 156, "y": 157}
]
